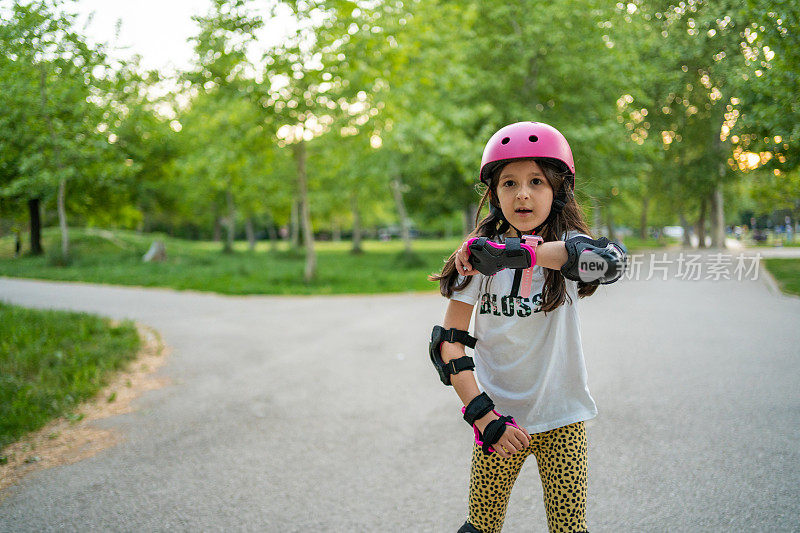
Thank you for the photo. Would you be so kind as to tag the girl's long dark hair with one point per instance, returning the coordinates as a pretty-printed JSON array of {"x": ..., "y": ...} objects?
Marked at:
[{"x": 570, "y": 218}]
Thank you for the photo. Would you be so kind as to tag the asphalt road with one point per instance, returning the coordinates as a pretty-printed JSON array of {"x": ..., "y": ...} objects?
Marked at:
[{"x": 323, "y": 414}]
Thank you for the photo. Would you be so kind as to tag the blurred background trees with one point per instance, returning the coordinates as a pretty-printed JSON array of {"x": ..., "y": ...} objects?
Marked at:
[{"x": 373, "y": 115}]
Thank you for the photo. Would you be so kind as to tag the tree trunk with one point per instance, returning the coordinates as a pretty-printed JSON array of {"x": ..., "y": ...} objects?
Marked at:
[
  {"x": 36, "y": 227},
  {"x": 596, "y": 222},
  {"x": 62, "y": 185},
  {"x": 717, "y": 200},
  {"x": 472, "y": 209},
  {"x": 700, "y": 225},
  {"x": 337, "y": 231},
  {"x": 305, "y": 215},
  {"x": 717, "y": 218},
  {"x": 217, "y": 229},
  {"x": 142, "y": 223},
  {"x": 470, "y": 212},
  {"x": 612, "y": 232},
  {"x": 294, "y": 222},
  {"x": 643, "y": 218},
  {"x": 17, "y": 242},
  {"x": 687, "y": 231},
  {"x": 272, "y": 232},
  {"x": 356, "y": 249},
  {"x": 251, "y": 234},
  {"x": 273, "y": 236},
  {"x": 466, "y": 223},
  {"x": 62, "y": 217},
  {"x": 230, "y": 222},
  {"x": 397, "y": 189}
]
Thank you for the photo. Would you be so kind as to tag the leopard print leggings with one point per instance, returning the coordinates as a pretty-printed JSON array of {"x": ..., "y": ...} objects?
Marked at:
[{"x": 561, "y": 457}]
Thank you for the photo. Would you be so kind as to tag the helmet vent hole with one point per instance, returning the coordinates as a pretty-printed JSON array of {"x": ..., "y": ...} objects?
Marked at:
[
  {"x": 533, "y": 138},
  {"x": 505, "y": 140}
]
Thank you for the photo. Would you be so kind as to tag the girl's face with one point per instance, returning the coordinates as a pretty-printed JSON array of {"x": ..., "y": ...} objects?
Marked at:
[{"x": 525, "y": 195}]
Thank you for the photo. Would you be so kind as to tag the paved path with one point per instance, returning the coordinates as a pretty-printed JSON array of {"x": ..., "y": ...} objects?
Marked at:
[
  {"x": 790, "y": 252},
  {"x": 323, "y": 414},
  {"x": 735, "y": 246}
]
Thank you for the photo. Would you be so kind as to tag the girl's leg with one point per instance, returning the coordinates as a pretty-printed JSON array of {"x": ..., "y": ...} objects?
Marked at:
[
  {"x": 490, "y": 481},
  {"x": 561, "y": 457}
]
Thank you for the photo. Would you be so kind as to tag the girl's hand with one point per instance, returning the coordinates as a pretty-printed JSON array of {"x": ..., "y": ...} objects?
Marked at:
[
  {"x": 513, "y": 440},
  {"x": 462, "y": 261}
]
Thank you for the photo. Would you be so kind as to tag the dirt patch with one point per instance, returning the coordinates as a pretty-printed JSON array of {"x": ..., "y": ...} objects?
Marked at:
[{"x": 64, "y": 441}]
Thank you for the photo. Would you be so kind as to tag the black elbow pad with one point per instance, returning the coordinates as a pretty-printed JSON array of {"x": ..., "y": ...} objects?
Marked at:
[{"x": 454, "y": 366}]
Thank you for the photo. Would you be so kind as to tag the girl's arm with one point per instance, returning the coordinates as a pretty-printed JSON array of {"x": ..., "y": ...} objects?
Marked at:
[
  {"x": 458, "y": 316},
  {"x": 607, "y": 260},
  {"x": 550, "y": 255}
]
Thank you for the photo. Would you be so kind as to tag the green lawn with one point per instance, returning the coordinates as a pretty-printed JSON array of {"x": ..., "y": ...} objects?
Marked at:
[
  {"x": 52, "y": 360},
  {"x": 102, "y": 256},
  {"x": 786, "y": 273},
  {"x": 776, "y": 244},
  {"x": 633, "y": 242},
  {"x": 105, "y": 257}
]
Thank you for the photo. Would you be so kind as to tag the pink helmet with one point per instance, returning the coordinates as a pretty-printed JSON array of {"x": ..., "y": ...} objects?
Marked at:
[{"x": 527, "y": 139}]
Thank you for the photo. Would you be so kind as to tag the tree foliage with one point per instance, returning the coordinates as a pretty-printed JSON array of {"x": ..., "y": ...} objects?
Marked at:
[{"x": 668, "y": 107}]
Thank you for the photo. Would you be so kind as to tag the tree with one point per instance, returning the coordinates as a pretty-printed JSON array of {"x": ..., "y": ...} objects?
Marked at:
[
  {"x": 768, "y": 87},
  {"x": 145, "y": 142},
  {"x": 225, "y": 155},
  {"x": 223, "y": 112},
  {"x": 692, "y": 57},
  {"x": 52, "y": 123},
  {"x": 461, "y": 71},
  {"x": 305, "y": 95},
  {"x": 768, "y": 124}
]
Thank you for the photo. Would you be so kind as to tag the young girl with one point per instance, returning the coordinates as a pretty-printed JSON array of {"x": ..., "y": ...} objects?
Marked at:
[{"x": 531, "y": 394}]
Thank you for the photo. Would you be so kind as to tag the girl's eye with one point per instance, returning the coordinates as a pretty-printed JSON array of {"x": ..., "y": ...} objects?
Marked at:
[
  {"x": 508, "y": 183},
  {"x": 536, "y": 181}
]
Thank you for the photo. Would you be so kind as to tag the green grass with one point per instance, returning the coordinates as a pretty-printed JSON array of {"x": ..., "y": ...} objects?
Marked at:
[
  {"x": 101, "y": 256},
  {"x": 200, "y": 265},
  {"x": 52, "y": 360},
  {"x": 633, "y": 242},
  {"x": 786, "y": 272},
  {"x": 776, "y": 244}
]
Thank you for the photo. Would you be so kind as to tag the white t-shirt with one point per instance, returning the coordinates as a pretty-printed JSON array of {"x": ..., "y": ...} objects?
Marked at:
[{"x": 530, "y": 365}]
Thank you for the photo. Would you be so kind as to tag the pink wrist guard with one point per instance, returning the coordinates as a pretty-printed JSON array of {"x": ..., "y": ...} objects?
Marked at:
[
  {"x": 490, "y": 257},
  {"x": 477, "y": 432}
]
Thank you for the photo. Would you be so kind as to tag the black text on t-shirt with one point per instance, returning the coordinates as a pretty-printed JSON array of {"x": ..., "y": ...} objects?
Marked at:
[{"x": 509, "y": 306}]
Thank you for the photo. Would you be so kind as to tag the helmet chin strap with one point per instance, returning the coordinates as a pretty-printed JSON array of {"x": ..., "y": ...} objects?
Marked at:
[{"x": 504, "y": 223}]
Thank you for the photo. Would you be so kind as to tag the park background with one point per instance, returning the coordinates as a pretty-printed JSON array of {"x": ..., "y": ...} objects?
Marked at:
[
  {"x": 355, "y": 120},
  {"x": 333, "y": 147}
]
